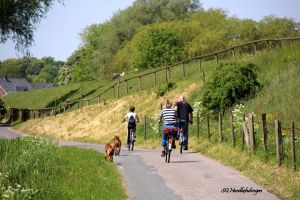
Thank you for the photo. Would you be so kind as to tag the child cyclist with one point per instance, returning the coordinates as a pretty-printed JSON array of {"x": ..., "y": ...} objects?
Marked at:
[{"x": 132, "y": 118}]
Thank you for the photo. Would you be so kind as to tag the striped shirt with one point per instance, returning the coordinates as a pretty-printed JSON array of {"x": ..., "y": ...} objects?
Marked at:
[{"x": 169, "y": 115}]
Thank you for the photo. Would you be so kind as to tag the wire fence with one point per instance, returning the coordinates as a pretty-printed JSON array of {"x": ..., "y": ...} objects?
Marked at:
[{"x": 263, "y": 138}]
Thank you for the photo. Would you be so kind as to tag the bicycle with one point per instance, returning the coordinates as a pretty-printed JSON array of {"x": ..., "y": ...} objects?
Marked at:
[
  {"x": 181, "y": 136},
  {"x": 171, "y": 134},
  {"x": 181, "y": 139},
  {"x": 131, "y": 139}
]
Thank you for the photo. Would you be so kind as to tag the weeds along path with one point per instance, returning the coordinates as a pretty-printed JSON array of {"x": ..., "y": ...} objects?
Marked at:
[{"x": 188, "y": 176}]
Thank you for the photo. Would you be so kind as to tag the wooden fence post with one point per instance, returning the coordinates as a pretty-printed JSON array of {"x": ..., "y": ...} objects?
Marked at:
[
  {"x": 251, "y": 132},
  {"x": 233, "y": 53},
  {"x": 154, "y": 78},
  {"x": 55, "y": 105},
  {"x": 198, "y": 126},
  {"x": 243, "y": 135},
  {"x": 145, "y": 128},
  {"x": 140, "y": 83},
  {"x": 199, "y": 60},
  {"x": 127, "y": 91},
  {"x": 232, "y": 130},
  {"x": 208, "y": 128},
  {"x": 279, "y": 143},
  {"x": 118, "y": 88},
  {"x": 293, "y": 147},
  {"x": 220, "y": 128},
  {"x": 20, "y": 115},
  {"x": 216, "y": 57},
  {"x": 253, "y": 48},
  {"x": 183, "y": 69},
  {"x": 169, "y": 72},
  {"x": 265, "y": 130},
  {"x": 113, "y": 90},
  {"x": 166, "y": 74}
]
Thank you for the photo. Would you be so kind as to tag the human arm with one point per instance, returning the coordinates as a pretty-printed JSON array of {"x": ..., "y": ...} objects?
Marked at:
[
  {"x": 124, "y": 119},
  {"x": 191, "y": 118},
  {"x": 190, "y": 114}
]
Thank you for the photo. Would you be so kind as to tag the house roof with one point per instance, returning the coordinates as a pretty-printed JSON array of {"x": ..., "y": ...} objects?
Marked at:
[
  {"x": 14, "y": 84},
  {"x": 36, "y": 86}
]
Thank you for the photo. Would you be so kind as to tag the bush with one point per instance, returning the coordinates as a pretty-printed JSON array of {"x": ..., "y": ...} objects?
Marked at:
[
  {"x": 230, "y": 83},
  {"x": 161, "y": 91}
]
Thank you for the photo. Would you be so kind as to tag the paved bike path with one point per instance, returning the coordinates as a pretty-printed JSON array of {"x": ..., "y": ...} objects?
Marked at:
[{"x": 189, "y": 176}]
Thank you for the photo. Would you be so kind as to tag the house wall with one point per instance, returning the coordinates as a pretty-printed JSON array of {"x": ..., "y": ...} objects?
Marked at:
[{"x": 2, "y": 92}]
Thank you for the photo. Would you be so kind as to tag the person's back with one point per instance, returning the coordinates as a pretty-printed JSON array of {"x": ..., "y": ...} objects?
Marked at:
[
  {"x": 132, "y": 118},
  {"x": 169, "y": 117},
  {"x": 183, "y": 110},
  {"x": 185, "y": 116}
]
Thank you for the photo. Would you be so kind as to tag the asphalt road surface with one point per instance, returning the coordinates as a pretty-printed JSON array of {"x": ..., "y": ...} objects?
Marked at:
[{"x": 189, "y": 176}]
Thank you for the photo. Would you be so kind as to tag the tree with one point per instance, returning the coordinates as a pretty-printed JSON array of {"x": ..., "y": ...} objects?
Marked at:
[
  {"x": 160, "y": 47},
  {"x": 18, "y": 20}
]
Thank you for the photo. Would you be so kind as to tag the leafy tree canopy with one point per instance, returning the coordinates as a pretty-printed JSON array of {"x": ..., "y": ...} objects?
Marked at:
[
  {"x": 18, "y": 20},
  {"x": 160, "y": 47}
]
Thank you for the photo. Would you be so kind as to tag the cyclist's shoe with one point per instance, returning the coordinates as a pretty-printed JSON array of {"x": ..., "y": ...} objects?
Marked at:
[
  {"x": 127, "y": 146},
  {"x": 185, "y": 148},
  {"x": 163, "y": 154},
  {"x": 173, "y": 144}
]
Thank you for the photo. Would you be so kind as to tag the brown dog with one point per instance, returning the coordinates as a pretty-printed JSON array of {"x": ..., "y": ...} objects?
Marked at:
[
  {"x": 117, "y": 145},
  {"x": 109, "y": 152}
]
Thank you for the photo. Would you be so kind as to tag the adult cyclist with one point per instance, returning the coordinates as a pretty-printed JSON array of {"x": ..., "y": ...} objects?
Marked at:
[
  {"x": 169, "y": 116},
  {"x": 185, "y": 116},
  {"x": 132, "y": 118}
]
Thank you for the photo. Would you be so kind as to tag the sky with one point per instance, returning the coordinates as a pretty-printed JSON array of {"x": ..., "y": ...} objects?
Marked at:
[{"x": 58, "y": 34}]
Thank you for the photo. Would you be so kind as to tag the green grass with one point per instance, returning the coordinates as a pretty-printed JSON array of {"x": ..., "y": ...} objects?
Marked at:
[
  {"x": 33, "y": 168},
  {"x": 35, "y": 99}
]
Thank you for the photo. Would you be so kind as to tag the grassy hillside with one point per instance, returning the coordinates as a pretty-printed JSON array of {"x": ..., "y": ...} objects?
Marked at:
[
  {"x": 46, "y": 97},
  {"x": 278, "y": 71}
]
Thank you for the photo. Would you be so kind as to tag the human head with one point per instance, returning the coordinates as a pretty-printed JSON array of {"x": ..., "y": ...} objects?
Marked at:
[
  {"x": 131, "y": 108},
  {"x": 181, "y": 98},
  {"x": 168, "y": 104}
]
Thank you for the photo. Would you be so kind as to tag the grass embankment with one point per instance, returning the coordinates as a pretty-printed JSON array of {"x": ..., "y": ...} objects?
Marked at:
[
  {"x": 278, "y": 71},
  {"x": 43, "y": 98},
  {"x": 35, "y": 168}
]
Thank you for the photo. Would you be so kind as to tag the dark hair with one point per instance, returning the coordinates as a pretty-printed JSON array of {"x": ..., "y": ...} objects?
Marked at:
[{"x": 132, "y": 108}]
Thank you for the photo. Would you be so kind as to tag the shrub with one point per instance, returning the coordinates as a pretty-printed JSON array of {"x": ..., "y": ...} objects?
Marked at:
[
  {"x": 161, "y": 91},
  {"x": 230, "y": 83}
]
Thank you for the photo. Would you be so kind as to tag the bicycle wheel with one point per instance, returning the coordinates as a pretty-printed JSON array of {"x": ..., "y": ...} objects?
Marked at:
[
  {"x": 169, "y": 156},
  {"x": 129, "y": 144},
  {"x": 169, "y": 150},
  {"x": 181, "y": 141},
  {"x": 132, "y": 139},
  {"x": 166, "y": 153}
]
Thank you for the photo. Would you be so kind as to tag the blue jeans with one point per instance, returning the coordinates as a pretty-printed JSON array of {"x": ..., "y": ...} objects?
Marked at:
[
  {"x": 185, "y": 125},
  {"x": 164, "y": 137}
]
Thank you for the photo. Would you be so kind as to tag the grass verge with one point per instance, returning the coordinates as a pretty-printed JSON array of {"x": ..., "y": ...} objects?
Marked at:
[{"x": 35, "y": 168}]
